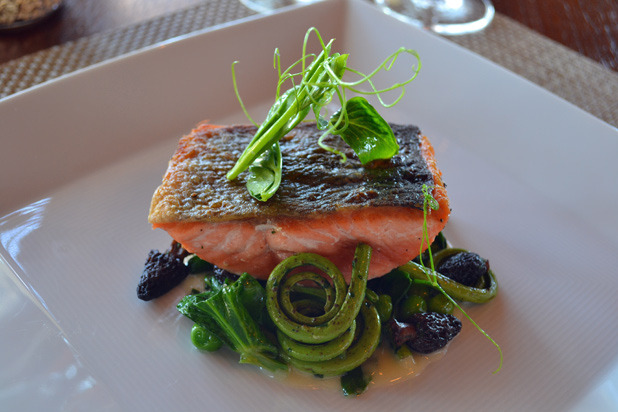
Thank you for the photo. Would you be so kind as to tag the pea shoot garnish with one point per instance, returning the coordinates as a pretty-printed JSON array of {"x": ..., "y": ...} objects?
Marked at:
[
  {"x": 320, "y": 78},
  {"x": 440, "y": 282}
]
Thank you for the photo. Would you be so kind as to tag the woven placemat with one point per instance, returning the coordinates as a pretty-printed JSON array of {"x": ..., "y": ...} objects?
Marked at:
[{"x": 563, "y": 72}]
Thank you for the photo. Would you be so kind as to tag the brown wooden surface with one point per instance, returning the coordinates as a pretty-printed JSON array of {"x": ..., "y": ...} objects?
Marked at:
[{"x": 589, "y": 27}]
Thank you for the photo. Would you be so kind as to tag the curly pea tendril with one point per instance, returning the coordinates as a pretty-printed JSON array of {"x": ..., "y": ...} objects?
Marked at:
[
  {"x": 442, "y": 283},
  {"x": 330, "y": 343}
]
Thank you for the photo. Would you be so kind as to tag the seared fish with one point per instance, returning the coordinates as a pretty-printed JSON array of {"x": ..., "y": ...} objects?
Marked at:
[{"x": 322, "y": 206}]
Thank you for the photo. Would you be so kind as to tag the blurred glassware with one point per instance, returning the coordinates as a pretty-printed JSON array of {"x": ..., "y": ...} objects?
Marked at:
[
  {"x": 268, "y": 6},
  {"x": 448, "y": 17},
  {"x": 20, "y": 14}
]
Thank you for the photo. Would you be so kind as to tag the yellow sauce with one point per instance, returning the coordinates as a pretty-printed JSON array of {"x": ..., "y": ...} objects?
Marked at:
[{"x": 384, "y": 367}]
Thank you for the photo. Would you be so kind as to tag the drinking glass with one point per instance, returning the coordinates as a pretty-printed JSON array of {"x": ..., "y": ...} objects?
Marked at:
[
  {"x": 268, "y": 6},
  {"x": 448, "y": 17}
]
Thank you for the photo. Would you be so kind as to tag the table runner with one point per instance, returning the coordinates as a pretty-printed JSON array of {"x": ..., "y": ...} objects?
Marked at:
[{"x": 510, "y": 44}]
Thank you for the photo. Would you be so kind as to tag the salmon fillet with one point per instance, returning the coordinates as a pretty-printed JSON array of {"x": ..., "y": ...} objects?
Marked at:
[{"x": 322, "y": 206}]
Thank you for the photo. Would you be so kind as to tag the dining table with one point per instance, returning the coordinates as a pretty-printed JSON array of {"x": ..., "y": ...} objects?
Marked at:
[{"x": 568, "y": 47}]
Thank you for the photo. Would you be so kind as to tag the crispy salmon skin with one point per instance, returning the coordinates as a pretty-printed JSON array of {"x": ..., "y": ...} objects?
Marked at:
[{"x": 322, "y": 206}]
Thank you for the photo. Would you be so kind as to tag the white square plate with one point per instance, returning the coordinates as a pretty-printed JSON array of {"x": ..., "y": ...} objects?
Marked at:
[{"x": 531, "y": 179}]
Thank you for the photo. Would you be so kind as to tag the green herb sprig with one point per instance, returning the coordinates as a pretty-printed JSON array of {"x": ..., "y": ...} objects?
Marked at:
[
  {"x": 320, "y": 78},
  {"x": 430, "y": 202},
  {"x": 234, "y": 312}
]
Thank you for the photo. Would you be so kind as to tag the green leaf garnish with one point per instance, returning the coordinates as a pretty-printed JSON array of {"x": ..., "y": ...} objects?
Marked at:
[
  {"x": 368, "y": 134},
  {"x": 265, "y": 174},
  {"x": 313, "y": 88}
]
